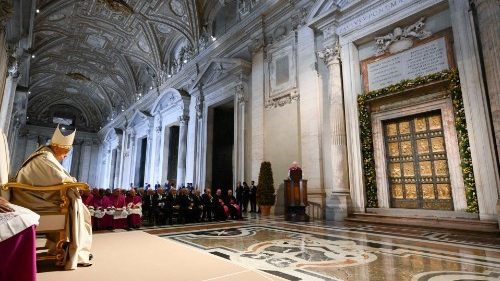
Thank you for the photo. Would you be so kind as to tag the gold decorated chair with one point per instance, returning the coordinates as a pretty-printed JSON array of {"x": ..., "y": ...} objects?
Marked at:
[{"x": 53, "y": 220}]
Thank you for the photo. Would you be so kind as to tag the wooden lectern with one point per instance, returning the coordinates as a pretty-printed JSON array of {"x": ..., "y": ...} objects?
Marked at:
[{"x": 296, "y": 197}]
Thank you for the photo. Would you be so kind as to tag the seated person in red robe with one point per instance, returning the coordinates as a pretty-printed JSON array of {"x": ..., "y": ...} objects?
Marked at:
[
  {"x": 103, "y": 211},
  {"x": 120, "y": 215},
  {"x": 234, "y": 207},
  {"x": 221, "y": 210}
]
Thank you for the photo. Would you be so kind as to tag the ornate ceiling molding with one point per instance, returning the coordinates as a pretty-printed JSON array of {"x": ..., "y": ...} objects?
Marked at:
[
  {"x": 77, "y": 76},
  {"x": 106, "y": 50},
  {"x": 119, "y": 6}
]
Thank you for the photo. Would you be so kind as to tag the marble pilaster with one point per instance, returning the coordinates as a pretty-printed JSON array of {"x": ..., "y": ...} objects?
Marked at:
[
  {"x": 240, "y": 103},
  {"x": 117, "y": 164},
  {"x": 181, "y": 158},
  {"x": 488, "y": 21},
  {"x": 476, "y": 110},
  {"x": 191, "y": 143},
  {"x": 157, "y": 141},
  {"x": 85, "y": 158},
  {"x": 257, "y": 113},
  {"x": 310, "y": 116},
  {"x": 93, "y": 178},
  {"x": 75, "y": 165},
  {"x": 352, "y": 88}
]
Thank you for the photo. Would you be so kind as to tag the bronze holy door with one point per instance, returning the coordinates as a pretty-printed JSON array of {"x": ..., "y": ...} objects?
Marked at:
[{"x": 417, "y": 164}]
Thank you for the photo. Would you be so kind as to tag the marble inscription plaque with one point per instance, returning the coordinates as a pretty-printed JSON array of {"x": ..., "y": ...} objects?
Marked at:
[{"x": 419, "y": 61}]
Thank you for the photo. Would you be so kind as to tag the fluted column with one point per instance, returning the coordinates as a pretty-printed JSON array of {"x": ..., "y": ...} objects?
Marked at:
[
  {"x": 181, "y": 158},
  {"x": 338, "y": 196}
]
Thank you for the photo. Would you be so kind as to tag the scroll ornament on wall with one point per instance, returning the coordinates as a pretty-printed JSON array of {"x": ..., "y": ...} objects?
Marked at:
[{"x": 401, "y": 38}]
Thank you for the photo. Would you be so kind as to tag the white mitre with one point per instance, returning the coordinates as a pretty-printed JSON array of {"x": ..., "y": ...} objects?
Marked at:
[{"x": 58, "y": 139}]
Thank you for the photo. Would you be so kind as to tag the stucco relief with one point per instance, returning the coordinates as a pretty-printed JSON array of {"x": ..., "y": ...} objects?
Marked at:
[
  {"x": 177, "y": 7},
  {"x": 401, "y": 38},
  {"x": 281, "y": 73}
]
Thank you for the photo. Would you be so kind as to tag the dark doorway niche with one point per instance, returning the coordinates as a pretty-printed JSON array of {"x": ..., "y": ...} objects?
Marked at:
[
  {"x": 222, "y": 147},
  {"x": 112, "y": 175},
  {"x": 140, "y": 161},
  {"x": 173, "y": 146}
]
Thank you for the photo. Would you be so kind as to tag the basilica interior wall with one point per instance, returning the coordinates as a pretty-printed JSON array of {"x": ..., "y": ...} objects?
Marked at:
[
  {"x": 281, "y": 142},
  {"x": 284, "y": 81}
]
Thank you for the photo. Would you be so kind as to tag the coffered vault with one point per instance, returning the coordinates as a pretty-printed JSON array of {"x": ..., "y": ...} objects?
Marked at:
[{"x": 98, "y": 56}]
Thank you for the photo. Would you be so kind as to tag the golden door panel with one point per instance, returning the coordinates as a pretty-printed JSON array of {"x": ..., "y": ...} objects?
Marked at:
[
  {"x": 397, "y": 191},
  {"x": 406, "y": 148},
  {"x": 393, "y": 149},
  {"x": 437, "y": 144},
  {"x": 417, "y": 162},
  {"x": 420, "y": 124},
  {"x": 392, "y": 130},
  {"x": 404, "y": 128},
  {"x": 435, "y": 122},
  {"x": 422, "y": 146}
]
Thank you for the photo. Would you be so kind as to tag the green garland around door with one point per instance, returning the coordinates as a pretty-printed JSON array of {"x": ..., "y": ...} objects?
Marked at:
[{"x": 463, "y": 138}]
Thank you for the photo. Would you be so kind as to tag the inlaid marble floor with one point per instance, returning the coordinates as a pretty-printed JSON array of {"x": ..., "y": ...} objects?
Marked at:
[{"x": 346, "y": 251}]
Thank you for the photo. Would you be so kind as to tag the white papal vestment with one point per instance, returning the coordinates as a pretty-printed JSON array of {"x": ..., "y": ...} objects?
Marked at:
[{"x": 43, "y": 169}]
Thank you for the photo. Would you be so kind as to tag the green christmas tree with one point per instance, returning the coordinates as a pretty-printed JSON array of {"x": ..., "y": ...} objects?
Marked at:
[{"x": 265, "y": 189}]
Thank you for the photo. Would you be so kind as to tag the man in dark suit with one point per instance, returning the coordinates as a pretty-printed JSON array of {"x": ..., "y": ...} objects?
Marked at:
[
  {"x": 198, "y": 206},
  {"x": 187, "y": 205},
  {"x": 239, "y": 194},
  {"x": 253, "y": 198},
  {"x": 218, "y": 206},
  {"x": 148, "y": 207},
  {"x": 159, "y": 205},
  {"x": 246, "y": 196},
  {"x": 173, "y": 206},
  {"x": 208, "y": 202}
]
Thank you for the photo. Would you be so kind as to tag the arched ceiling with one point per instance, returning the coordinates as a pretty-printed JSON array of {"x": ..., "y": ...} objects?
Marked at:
[{"x": 95, "y": 55}]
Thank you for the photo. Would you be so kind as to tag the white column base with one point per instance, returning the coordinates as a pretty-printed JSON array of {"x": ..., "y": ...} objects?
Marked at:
[{"x": 337, "y": 207}]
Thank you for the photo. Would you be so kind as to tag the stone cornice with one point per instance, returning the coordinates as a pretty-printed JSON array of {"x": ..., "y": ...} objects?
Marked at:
[{"x": 357, "y": 16}]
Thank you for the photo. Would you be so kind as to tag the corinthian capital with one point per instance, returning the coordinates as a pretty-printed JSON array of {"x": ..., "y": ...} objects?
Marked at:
[
  {"x": 330, "y": 54},
  {"x": 183, "y": 120},
  {"x": 12, "y": 66}
]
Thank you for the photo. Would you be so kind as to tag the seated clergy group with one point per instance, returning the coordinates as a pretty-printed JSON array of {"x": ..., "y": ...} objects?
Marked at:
[{"x": 124, "y": 209}]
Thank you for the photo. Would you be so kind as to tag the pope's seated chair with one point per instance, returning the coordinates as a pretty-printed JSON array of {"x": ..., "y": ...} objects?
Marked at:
[{"x": 53, "y": 221}]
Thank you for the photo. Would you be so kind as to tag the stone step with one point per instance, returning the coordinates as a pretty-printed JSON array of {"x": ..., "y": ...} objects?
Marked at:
[{"x": 429, "y": 222}]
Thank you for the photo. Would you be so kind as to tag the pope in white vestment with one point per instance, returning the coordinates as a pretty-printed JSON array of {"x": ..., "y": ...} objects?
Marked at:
[{"x": 43, "y": 168}]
